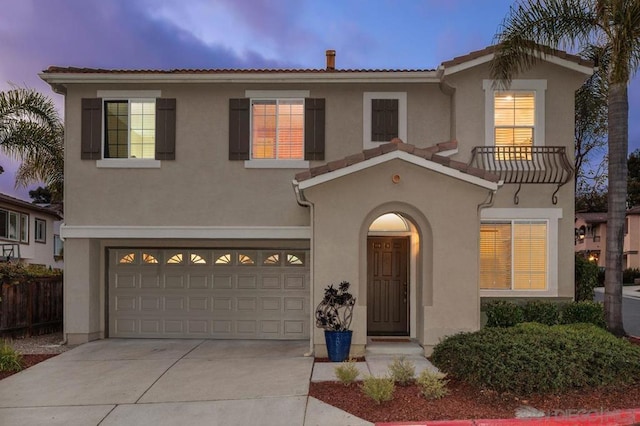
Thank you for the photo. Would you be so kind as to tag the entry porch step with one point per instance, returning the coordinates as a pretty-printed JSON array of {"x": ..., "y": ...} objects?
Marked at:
[{"x": 393, "y": 346}]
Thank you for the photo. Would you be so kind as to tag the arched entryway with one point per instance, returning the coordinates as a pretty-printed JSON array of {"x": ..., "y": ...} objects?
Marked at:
[{"x": 390, "y": 272}]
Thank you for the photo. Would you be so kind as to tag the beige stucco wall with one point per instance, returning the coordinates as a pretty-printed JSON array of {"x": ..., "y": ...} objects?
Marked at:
[{"x": 443, "y": 209}]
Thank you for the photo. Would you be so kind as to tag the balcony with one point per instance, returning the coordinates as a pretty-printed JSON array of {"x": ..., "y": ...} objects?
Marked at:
[{"x": 525, "y": 165}]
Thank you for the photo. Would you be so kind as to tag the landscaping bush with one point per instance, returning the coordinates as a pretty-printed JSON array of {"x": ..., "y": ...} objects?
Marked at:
[
  {"x": 542, "y": 312},
  {"x": 402, "y": 371},
  {"x": 501, "y": 313},
  {"x": 432, "y": 384},
  {"x": 347, "y": 372},
  {"x": 586, "y": 278},
  {"x": 15, "y": 273},
  {"x": 583, "y": 312},
  {"x": 629, "y": 275},
  {"x": 379, "y": 389},
  {"x": 10, "y": 360},
  {"x": 534, "y": 358}
]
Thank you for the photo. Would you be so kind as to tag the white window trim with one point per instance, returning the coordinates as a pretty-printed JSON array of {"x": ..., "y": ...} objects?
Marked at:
[
  {"x": 126, "y": 163},
  {"x": 552, "y": 216},
  {"x": 537, "y": 86},
  {"x": 274, "y": 95},
  {"x": 367, "y": 97}
]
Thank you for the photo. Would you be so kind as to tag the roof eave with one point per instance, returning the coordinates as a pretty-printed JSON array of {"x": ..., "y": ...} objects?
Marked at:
[
  {"x": 274, "y": 77},
  {"x": 427, "y": 164}
]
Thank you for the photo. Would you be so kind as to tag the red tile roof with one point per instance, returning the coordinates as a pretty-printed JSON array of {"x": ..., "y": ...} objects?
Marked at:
[
  {"x": 592, "y": 217},
  {"x": 430, "y": 154},
  {"x": 491, "y": 49},
  {"x": 75, "y": 70}
]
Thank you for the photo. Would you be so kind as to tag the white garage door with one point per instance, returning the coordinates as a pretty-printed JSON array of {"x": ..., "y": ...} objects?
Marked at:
[{"x": 209, "y": 293}]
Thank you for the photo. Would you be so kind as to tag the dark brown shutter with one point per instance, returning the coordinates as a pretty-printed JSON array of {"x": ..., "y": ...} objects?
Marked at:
[
  {"x": 91, "y": 129},
  {"x": 314, "y": 121},
  {"x": 165, "y": 129},
  {"x": 384, "y": 119},
  {"x": 239, "y": 129}
]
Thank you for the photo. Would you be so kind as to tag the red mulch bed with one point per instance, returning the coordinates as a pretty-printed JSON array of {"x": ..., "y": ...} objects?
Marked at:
[
  {"x": 27, "y": 361},
  {"x": 467, "y": 402}
]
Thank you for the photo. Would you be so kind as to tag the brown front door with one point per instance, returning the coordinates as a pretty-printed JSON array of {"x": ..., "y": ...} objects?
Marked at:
[{"x": 387, "y": 286}]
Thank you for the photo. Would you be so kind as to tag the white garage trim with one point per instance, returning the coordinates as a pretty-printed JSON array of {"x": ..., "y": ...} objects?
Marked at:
[{"x": 187, "y": 232}]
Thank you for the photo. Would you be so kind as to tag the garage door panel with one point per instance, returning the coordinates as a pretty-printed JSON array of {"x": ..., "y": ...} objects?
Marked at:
[{"x": 257, "y": 294}]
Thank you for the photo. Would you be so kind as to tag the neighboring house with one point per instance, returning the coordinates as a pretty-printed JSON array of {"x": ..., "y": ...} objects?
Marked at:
[
  {"x": 221, "y": 203},
  {"x": 29, "y": 233},
  {"x": 591, "y": 237}
]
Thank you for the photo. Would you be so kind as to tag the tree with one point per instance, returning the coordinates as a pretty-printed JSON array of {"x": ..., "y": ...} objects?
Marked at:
[
  {"x": 591, "y": 125},
  {"x": 40, "y": 195},
  {"x": 633, "y": 179},
  {"x": 31, "y": 131},
  {"x": 528, "y": 33}
]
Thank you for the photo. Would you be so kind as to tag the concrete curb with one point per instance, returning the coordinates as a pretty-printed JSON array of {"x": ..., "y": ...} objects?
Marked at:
[{"x": 611, "y": 418}]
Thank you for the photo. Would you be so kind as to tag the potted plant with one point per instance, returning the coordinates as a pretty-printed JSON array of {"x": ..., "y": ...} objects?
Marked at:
[{"x": 334, "y": 314}]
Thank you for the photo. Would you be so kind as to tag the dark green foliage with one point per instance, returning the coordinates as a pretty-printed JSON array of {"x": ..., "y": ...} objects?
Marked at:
[
  {"x": 501, "y": 313},
  {"x": 15, "y": 273},
  {"x": 542, "y": 312},
  {"x": 583, "y": 312},
  {"x": 586, "y": 278},
  {"x": 336, "y": 308},
  {"x": 629, "y": 274},
  {"x": 534, "y": 358}
]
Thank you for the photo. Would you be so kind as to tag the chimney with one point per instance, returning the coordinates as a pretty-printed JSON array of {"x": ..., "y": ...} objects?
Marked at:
[{"x": 331, "y": 60}]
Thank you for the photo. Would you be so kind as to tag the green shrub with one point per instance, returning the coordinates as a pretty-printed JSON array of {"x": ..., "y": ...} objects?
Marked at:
[
  {"x": 629, "y": 274},
  {"x": 10, "y": 360},
  {"x": 502, "y": 313},
  {"x": 432, "y": 384},
  {"x": 586, "y": 278},
  {"x": 379, "y": 389},
  {"x": 15, "y": 273},
  {"x": 347, "y": 372},
  {"x": 583, "y": 312},
  {"x": 402, "y": 371},
  {"x": 535, "y": 358},
  {"x": 543, "y": 312}
]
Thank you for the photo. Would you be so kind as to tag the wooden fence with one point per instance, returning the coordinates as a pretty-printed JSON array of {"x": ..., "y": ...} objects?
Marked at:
[{"x": 31, "y": 308}]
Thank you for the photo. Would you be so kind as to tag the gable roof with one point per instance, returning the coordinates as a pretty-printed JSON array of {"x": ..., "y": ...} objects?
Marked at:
[
  {"x": 430, "y": 158},
  {"x": 592, "y": 217},
  {"x": 478, "y": 57}
]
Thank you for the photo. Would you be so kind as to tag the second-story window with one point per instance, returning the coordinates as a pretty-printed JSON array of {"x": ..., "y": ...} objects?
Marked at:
[
  {"x": 514, "y": 118},
  {"x": 130, "y": 127},
  {"x": 277, "y": 129},
  {"x": 40, "y": 231},
  {"x": 14, "y": 226}
]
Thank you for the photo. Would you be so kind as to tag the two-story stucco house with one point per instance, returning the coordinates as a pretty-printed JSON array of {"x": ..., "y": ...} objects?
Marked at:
[
  {"x": 220, "y": 203},
  {"x": 29, "y": 233}
]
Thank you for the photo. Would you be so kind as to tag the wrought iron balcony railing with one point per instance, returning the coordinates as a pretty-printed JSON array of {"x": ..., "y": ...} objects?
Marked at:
[{"x": 522, "y": 164}]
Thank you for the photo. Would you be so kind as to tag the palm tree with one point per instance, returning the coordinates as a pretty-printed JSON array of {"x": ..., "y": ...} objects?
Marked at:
[
  {"x": 31, "y": 131},
  {"x": 528, "y": 33}
]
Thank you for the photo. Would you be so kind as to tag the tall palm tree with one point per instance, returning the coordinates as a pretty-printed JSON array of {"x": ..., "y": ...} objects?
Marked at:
[
  {"x": 31, "y": 131},
  {"x": 527, "y": 34}
]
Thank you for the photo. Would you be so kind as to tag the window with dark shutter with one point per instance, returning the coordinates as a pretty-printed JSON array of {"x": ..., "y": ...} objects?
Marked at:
[
  {"x": 314, "y": 128},
  {"x": 239, "y": 139},
  {"x": 165, "y": 129},
  {"x": 384, "y": 119},
  {"x": 91, "y": 129}
]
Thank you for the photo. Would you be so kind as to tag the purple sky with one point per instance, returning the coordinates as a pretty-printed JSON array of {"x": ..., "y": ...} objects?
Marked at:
[{"x": 242, "y": 34}]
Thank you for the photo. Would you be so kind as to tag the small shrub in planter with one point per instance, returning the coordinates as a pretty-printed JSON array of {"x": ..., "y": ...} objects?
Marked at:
[
  {"x": 347, "y": 372},
  {"x": 379, "y": 389},
  {"x": 432, "y": 384},
  {"x": 586, "y": 278},
  {"x": 334, "y": 314},
  {"x": 402, "y": 371},
  {"x": 534, "y": 358},
  {"x": 502, "y": 313},
  {"x": 583, "y": 312},
  {"x": 10, "y": 360},
  {"x": 542, "y": 312}
]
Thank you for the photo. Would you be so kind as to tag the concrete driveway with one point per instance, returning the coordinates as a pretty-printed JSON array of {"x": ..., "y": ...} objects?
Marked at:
[{"x": 169, "y": 382}]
